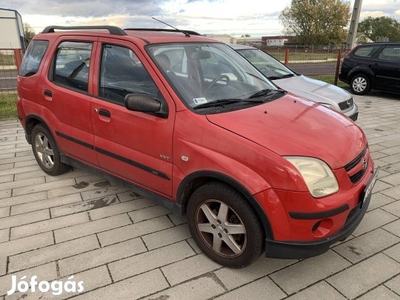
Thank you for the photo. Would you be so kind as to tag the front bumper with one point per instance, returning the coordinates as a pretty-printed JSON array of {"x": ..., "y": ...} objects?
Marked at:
[
  {"x": 352, "y": 113},
  {"x": 294, "y": 249}
]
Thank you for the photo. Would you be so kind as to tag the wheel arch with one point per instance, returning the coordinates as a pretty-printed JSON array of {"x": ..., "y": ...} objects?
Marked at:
[
  {"x": 364, "y": 71},
  {"x": 30, "y": 123},
  {"x": 193, "y": 181}
]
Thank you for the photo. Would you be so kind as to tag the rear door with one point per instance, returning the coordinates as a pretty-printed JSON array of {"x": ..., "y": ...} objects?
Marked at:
[
  {"x": 133, "y": 145},
  {"x": 66, "y": 96}
]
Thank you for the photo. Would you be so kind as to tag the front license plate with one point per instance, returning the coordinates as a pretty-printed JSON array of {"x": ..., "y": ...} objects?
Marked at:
[{"x": 370, "y": 186}]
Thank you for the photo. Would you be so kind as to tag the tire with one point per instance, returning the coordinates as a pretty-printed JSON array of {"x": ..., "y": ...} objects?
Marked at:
[
  {"x": 214, "y": 211},
  {"x": 360, "y": 84},
  {"x": 46, "y": 152}
]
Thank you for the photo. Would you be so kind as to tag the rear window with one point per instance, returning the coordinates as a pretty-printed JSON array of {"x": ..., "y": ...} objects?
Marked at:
[
  {"x": 33, "y": 58},
  {"x": 366, "y": 52},
  {"x": 71, "y": 65}
]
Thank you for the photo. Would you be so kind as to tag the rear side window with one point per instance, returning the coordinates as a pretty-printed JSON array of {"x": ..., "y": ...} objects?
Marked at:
[
  {"x": 390, "y": 53},
  {"x": 71, "y": 65},
  {"x": 33, "y": 57},
  {"x": 365, "y": 52}
]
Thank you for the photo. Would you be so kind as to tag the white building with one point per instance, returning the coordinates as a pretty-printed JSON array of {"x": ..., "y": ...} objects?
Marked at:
[
  {"x": 12, "y": 30},
  {"x": 274, "y": 41},
  {"x": 225, "y": 38}
]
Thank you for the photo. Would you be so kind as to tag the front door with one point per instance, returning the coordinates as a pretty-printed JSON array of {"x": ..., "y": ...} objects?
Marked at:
[{"x": 132, "y": 145}]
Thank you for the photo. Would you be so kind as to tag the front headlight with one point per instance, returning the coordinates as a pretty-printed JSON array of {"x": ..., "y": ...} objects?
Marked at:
[{"x": 317, "y": 175}]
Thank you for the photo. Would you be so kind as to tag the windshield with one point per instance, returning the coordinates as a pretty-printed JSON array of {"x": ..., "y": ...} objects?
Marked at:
[
  {"x": 211, "y": 73},
  {"x": 268, "y": 65}
]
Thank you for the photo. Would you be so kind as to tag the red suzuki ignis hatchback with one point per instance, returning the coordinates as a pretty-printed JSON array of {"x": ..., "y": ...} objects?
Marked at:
[{"x": 188, "y": 122}]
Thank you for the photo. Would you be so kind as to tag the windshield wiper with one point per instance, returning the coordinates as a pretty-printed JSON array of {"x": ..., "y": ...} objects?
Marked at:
[
  {"x": 280, "y": 77},
  {"x": 266, "y": 92},
  {"x": 287, "y": 75},
  {"x": 222, "y": 102}
]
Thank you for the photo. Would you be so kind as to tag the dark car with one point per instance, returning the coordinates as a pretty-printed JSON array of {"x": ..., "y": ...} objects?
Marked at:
[{"x": 372, "y": 66}]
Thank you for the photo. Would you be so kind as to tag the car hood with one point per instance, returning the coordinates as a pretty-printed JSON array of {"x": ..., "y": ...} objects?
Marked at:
[
  {"x": 313, "y": 89},
  {"x": 295, "y": 126}
]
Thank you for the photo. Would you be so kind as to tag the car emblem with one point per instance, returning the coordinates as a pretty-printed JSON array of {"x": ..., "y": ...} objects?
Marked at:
[
  {"x": 364, "y": 163},
  {"x": 348, "y": 102}
]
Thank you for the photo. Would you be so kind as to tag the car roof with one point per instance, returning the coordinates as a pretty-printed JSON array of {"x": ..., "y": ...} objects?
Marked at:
[
  {"x": 147, "y": 35},
  {"x": 151, "y": 36},
  {"x": 380, "y": 44}
]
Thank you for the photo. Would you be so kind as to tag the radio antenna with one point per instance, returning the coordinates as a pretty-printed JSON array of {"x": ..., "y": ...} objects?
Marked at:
[{"x": 177, "y": 29}]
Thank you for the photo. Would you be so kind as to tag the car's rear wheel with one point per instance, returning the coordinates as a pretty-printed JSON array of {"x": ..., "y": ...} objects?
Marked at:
[
  {"x": 360, "y": 84},
  {"x": 224, "y": 226},
  {"x": 46, "y": 152}
]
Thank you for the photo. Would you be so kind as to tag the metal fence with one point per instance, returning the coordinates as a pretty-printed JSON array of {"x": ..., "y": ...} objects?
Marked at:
[
  {"x": 320, "y": 63},
  {"x": 10, "y": 61}
]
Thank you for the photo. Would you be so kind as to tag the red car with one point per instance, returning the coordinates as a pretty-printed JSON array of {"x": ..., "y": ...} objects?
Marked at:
[{"x": 187, "y": 121}]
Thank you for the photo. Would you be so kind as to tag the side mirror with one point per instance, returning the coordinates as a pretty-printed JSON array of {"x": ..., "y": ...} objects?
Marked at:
[{"x": 144, "y": 103}]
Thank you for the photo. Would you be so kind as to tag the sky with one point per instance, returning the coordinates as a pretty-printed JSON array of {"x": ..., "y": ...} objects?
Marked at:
[{"x": 233, "y": 17}]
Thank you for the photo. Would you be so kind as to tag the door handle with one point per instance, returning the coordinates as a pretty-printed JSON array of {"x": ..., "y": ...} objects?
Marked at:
[
  {"x": 104, "y": 112},
  {"x": 48, "y": 93}
]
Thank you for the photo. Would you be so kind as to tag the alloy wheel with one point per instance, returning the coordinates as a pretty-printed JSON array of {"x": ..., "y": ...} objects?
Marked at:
[
  {"x": 221, "y": 228},
  {"x": 44, "y": 150}
]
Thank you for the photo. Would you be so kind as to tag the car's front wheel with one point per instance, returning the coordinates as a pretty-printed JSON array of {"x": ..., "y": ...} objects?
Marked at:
[
  {"x": 46, "y": 152},
  {"x": 360, "y": 84},
  {"x": 224, "y": 226}
]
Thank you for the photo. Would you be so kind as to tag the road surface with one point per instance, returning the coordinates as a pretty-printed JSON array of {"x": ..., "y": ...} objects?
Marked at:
[{"x": 8, "y": 80}]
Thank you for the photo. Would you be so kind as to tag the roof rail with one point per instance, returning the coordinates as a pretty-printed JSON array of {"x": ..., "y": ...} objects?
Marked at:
[
  {"x": 111, "y": 29},
  {"x": 165, "y": 29}
]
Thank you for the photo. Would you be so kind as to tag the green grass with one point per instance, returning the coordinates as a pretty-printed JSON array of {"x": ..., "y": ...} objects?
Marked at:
[
  {"x": 303, "y": 56},
  {"x": 8, "y": 108},
  {"x": 7, "y": 59}
]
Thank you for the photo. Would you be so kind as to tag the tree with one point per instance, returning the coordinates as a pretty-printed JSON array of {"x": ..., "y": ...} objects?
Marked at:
[
  {"x": 382, "y": 27},
  {"x": 317, "y": 22},
  {"x": 29, "y": 33}
]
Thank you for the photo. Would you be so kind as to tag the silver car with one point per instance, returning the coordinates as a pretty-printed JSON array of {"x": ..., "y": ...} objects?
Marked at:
[{"x": 316, "y": 90}]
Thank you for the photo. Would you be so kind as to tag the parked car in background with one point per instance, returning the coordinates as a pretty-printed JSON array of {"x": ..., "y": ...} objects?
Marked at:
[
  {"x": 372, "y": 66},
  {"x": 188, "y": 122},
  {"x": 285, "y": 78}
]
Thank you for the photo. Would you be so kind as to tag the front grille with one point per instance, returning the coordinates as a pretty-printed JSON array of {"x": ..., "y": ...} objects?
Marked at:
[
  {"x": 355, "y": 161},
  {"x": 346, "y": 104},
  {"x": 355, "y": 177}
]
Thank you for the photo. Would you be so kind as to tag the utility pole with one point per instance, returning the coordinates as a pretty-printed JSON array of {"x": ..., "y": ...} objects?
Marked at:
[{"x": 355, "y": 17}]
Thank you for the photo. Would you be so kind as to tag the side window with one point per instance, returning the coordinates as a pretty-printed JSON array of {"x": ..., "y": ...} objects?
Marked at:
[
  {"x": 33, "y": 57},
  {"x": 391, "y": 53},
  {"x": 366, "y": 52},
  {"x": 71, "y": 65},
  {"x": 122, "y": 73}
]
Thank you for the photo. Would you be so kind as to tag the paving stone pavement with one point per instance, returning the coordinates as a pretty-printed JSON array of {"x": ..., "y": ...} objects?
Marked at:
[{"x": 123, "y": 246}]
